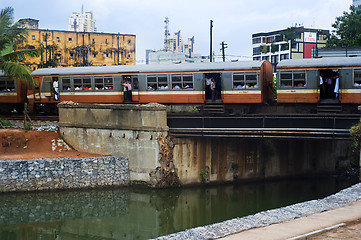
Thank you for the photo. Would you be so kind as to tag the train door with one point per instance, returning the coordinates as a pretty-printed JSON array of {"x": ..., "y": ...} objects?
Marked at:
[
  {"x": 217, "y": 77},
  {"x": 329, "y": 83},
  {"x": 130, "y": 88}
]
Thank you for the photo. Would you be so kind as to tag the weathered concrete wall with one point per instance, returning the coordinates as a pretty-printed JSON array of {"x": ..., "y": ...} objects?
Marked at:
[
  {"x": 117, "y": 129},
  {"x": 229, "y": 159},
  {"x": 64, "y": 173}
]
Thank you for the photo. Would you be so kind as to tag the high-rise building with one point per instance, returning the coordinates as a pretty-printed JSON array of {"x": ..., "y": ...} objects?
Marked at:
[
  {"x": 82, "y": 22},
  {"x": 297, "y": 42},
  {"x": 356, "y": 2}
]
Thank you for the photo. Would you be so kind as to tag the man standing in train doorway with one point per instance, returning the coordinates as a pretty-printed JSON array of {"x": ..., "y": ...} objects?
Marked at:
[
  {"x": 213, "y": 89},
  {"x": 56, "y": 89},
  {"x": 127, "y": 91}
]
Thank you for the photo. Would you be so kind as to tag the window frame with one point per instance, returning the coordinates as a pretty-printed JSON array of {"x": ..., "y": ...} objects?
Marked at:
[
  {"x": 105, "y": 85},
  {"x": 183, "y": 81},
  {"x": 357, "y": 74},
  {"x": 6, "y": 82},
  {"x": 251, "y": 82},
  {"x": 293, "y": 80},
  {"x": 155, "y": 83}
]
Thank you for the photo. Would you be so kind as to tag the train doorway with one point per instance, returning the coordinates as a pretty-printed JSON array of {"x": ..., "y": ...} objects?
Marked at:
[
  {"x": 130, "y": 88},
  {"x": 217, "y": 77},
  {"x": 329, "y": 85}
]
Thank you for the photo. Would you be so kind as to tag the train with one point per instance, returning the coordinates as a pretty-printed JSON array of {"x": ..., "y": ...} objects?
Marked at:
[{"x": 301, "y": 86}]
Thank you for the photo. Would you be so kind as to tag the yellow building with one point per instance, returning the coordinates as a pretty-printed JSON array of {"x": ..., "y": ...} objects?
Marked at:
[{"x": 68, "y": 49}]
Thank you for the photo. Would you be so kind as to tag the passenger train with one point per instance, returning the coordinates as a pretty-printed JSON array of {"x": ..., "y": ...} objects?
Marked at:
[{"x": 242, "y": 87}]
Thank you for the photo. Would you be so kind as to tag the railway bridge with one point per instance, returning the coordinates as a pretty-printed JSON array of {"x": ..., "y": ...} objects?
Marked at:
[{"x": 163, "y": 149}]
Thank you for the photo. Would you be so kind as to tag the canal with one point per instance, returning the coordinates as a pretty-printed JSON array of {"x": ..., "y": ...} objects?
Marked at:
[{"x": 140, "y": 213}]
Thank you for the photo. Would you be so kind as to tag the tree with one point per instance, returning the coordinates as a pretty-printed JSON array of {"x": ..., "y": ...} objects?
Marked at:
[
  {"x": 347, "y": 31},
  {"x": 10, "y": 60}
]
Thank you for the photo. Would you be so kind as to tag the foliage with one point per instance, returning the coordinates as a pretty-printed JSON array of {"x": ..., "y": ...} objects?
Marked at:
[
  {"x": 355, "y": 132},
  {"x": 203, "y": 174},
  {"x": 274, "y": 48},
  {"x": 234, "y": 167},
  {"x": 10, "y": 61},
  {"x": 274, "y": 86},
  {"x": 347, "y": 31},
  {"x": 28, "y": 127},
  {"x": 264, "y": 49},
  {"x": 289, "y": 34},
  {"x": 5, "y": 123}
]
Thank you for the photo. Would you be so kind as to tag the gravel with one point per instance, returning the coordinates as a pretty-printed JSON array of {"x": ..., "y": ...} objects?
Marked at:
[
  {"x": 262, "y": 219},
  {"x": 37, "y": 125}
]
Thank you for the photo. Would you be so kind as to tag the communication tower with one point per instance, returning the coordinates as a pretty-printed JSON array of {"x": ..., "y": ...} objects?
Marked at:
[{"x": 166, "y": 34}]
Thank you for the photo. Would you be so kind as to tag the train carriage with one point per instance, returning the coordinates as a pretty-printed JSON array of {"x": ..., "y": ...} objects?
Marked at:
[
  {"x": 319, "y": 80},
  {"x": 237, "y": 82},
  {"x": 12, "y": 94}
]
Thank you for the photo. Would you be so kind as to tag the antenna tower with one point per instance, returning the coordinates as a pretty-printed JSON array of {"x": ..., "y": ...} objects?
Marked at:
[{"x": 166, "y": 34}]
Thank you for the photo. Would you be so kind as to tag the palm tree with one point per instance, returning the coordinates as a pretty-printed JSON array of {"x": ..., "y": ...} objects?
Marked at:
[{"x": 10, "y": 61}]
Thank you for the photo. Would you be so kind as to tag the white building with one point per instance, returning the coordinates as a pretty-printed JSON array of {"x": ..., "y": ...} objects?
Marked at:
[
  {"x": 82, "y": 22},
  {"x": 169, "y": 57},
  {"x": 356, "y": 2}
]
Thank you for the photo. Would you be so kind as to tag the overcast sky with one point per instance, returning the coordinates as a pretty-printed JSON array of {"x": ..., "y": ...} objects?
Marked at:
[{"x": 234, "y": 21}]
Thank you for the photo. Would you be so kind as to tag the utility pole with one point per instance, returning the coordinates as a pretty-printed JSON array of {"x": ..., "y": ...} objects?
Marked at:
[
  {"x": 224, "y": 46},
  {"x": 210, "y": 44}
]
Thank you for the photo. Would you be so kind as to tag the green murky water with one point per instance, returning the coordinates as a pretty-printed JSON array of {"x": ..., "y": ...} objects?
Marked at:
[{"x": 129, "y": 213}]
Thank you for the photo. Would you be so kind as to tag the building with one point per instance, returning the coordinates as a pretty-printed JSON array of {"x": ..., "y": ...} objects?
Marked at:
[
  {"x": 68, "y": 48},
  {"x": 169, "y": 57},
  {"x": 356, "y": 2},
  {"x": 295, "y": 42},
  {"x": 82, "y": 22}
]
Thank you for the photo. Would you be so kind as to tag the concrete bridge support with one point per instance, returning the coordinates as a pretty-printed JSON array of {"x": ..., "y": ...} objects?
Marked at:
[{"x": 116, "y": 129}]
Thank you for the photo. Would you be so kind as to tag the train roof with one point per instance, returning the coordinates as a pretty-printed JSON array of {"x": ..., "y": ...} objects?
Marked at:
[
  {"x": 246, "y": 65},
  {"x": 320, "y": 62}
]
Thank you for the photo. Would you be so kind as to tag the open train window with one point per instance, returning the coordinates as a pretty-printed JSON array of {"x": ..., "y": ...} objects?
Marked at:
[
  {"x": 82, "y": 83},
  {"x": 103, "y": 83},
  {"x": 357, "y": 78},
  {"x": 245, "y": 80},
  {"x": 182, "y": 81},
  {"x": 293, "y": 79},
  {"x": 7, "y": 85},
  {"x": 155, "y": 82},
  {"x": 66, "y": 84}
]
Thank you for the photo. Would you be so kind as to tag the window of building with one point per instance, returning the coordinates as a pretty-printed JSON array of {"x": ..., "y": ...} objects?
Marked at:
[
  {"x": 33, "y": 37},
  {"x": 245, "y": 80},
  {"x": 106, "y": 54},
  {"x": 265, "y": 58},
  {"x": 129, "y": 42},
  {"x": 58, "y": 39},
  {"x": 257, "y": 51},
  {"x": 256, "y": 40},
  {"x": 285, "y": 47},
  {"x": 106, "y": 41},
  {"x": 182, "y": 81},
  {"x": 103, "y": 83},
  {"x": 66, "y": 84},
  {"x": 256, "y": 58},
  {"x": 284, "y": 56},
  {"x": 82, "y": 83},
  {"x": 7, "y": 85},
  {"x": 293, "y": 79},
  {"x": 274, "y": 59},
  {"x": 357, "y": 77},
  {"x": 70, "y": 39}
]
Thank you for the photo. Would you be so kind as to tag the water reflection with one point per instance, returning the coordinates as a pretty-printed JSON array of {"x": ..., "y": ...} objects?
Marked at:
[{"x": 129, "y": 213}]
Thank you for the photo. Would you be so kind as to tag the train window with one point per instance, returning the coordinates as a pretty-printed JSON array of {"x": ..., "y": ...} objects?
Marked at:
[
  {"x": 357, "y": 78},
  {"x": 7, "y": 85},
  {"x": 103, "y": 83},
  {"x": 155, "y": 82},
  {"x": 294, "y": 79},
  {"x": 238, "y": 80},
  {"x": 66, "y": 84},
  {"x": 82, "y": 83},
  {"x": 251, "y": 80},
  {"x": 286, "y": 79},
  {"x": 182, "y": 81},
  {"x": 299, "y": 79}
]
